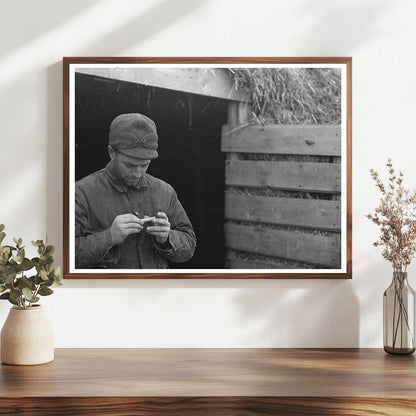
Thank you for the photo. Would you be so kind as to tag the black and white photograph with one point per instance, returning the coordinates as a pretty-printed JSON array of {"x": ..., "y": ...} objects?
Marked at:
[{"x": 211, "y": 168}]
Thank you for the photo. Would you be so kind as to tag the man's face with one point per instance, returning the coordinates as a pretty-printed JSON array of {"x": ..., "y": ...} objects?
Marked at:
[{"x": 130, "y": 169}]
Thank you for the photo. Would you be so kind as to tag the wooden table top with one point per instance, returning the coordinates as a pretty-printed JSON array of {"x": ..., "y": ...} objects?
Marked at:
[{"x": 214, "y": 372}]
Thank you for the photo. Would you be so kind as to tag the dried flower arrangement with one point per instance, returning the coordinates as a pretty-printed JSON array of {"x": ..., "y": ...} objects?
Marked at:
[{"x": 396, "y": 217}]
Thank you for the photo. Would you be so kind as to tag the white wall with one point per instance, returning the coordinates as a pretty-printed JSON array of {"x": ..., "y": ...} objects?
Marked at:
[{"x": 380, "y": 35}]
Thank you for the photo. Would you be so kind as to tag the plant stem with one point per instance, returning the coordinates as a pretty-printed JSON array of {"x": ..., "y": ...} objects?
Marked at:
[
  {"x": 401, "y": 314},
  {"x": 394, "y": 315}
]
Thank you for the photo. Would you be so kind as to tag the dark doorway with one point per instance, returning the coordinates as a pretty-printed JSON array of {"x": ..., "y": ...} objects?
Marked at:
[{"x": 190, "y": 159}]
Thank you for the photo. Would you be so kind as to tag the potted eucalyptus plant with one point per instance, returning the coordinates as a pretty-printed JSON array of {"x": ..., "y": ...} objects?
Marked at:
[{"x": 26, "y": 336}]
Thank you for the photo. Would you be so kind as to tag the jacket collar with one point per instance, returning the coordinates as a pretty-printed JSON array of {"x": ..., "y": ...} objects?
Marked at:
[{"x": 114, "y": 178}]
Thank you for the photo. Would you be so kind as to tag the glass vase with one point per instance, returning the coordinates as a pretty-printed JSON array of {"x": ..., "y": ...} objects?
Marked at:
[{"x": 399, "y": 316}]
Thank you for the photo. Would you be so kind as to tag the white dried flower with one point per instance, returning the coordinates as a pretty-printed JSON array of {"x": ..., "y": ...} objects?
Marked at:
[{"x": 396, "y": 217}]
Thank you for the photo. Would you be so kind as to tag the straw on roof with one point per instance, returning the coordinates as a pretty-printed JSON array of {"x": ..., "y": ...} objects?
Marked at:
[{"x": 292, "y": 95}]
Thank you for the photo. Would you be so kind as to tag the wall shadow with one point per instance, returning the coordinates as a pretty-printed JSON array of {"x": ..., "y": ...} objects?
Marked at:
[
  {"x": 337, "y": 17},
  {"x": 41, "y": 16},
  {"x": 54, "y": 166},
  {"x": 159, "y": 17},
  {"x": 302, "y": 314}
]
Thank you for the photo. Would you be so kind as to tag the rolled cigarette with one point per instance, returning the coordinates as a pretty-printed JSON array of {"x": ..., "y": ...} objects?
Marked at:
[{"x": 147, "y": 219}]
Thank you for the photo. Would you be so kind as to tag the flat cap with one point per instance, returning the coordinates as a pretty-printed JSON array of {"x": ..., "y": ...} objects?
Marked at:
[{"x": 134, "y": 135}]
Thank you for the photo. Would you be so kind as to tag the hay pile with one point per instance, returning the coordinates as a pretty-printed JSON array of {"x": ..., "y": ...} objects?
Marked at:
[{"x": 292, "y": 95}]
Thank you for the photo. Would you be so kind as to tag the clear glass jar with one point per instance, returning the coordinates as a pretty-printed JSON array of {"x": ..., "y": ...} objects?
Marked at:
[{"x": 399, "y": 316}]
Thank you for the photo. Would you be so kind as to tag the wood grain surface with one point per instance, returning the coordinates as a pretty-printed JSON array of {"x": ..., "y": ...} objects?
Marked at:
[
  {"x": 283, "y": 139},
  {"x": 208, "y": 406},
  {"x": 316, "y": 249},
  {"x": 212, "y": 381},
  {"x": 309, "y": 213},
  {"x": 214, "y": 83},
  {"x": 294, "y": 176}
]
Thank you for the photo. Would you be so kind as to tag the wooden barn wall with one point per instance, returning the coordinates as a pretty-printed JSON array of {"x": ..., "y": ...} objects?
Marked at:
[{"x": 282, "y": 200}]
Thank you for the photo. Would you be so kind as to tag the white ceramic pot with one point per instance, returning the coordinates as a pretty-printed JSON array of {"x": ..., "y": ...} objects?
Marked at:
[{"x": 27, "y": 337}]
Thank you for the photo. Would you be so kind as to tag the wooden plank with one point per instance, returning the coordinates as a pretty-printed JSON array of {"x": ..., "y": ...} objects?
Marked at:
[
  {"x": 308, "y": 248},
  {"x": 232, "y": 114},
  {"x": 214, "y": 372},
  {"x": 212, "y": 82},
  {"x": 312, "y": 213},
  {"x": 212, "y": 381},
  {"x": 297, "y": 176},
  {"x": 239, "y": 114},
  {"x": 275, "y": 139},
  {"x": 203, "y": 406}
]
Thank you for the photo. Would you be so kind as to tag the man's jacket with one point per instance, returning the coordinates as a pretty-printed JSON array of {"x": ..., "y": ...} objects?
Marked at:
[{"x": 101, "y": 196}]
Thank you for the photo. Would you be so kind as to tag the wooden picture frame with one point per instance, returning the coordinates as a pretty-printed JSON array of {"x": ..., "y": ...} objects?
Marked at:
[{"x": 274, "y": 199}]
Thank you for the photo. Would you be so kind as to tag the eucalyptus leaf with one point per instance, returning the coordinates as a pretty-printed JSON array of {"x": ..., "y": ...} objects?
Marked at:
[
  {"x": 43, "y": 275},
  {"x": 11, "y": 248},
  {"x": 4, "y": 258},
  {"x": 27, "y": 293},
  {"x": 24, "y": 282},
  {"x": 5, "y": 250},
  {"x": 26, "y": 264},
  {"x": 5, "y": 295},
  {"x": 2, "y": 236},
  {"x": 13, "y": 301},
  {"x": 18, "y": 242},
  {"x": 9, "y": 277},
  {"x": 38, "y": 280},
  {"x": 14, "y": 268},
  {"x": 45, "y": 260},
  {"x": 15, "y": 294},
  {"x": 21, "y": 255},
  {"x": 45, "y": 291},
  {"x": 58, "y": 277},
  {"x": 2, "y": 227},
  {"x": 2, "y": 288},
  {"x": 48, "y": 282},
  {"x": 55, "y": 275},
  {"x": 49, "y": 250}
]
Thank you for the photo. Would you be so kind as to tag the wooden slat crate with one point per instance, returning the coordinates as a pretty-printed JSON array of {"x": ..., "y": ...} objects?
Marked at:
[
  {"x": 278, "y": 207},
  {"x": 293, "y": 140},
  {"x": 311, "y": 248},
  {"x": 295, "y": 176},
  {"x": 309, "y": 213}
]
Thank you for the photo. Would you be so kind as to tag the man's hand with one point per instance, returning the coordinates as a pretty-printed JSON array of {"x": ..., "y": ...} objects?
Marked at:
[
  {"x": 123, "y": 226},
  {"x": 161, "y": 228}
]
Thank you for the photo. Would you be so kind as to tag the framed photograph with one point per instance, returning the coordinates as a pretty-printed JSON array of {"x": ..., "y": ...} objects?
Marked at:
[{"x": 207, "y": 167}]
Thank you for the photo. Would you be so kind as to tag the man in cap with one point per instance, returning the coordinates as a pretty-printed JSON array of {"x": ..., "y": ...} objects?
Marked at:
[{"x": 114, "y": 207}]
